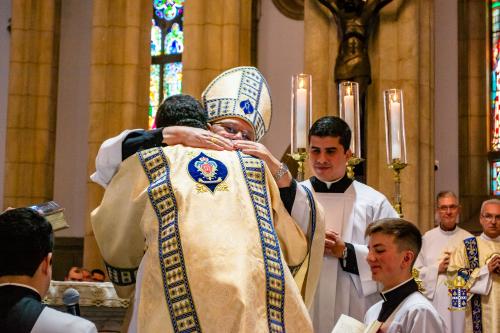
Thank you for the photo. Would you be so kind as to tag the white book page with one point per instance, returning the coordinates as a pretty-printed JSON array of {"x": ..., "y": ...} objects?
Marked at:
[{"x": 347, "y": 324}]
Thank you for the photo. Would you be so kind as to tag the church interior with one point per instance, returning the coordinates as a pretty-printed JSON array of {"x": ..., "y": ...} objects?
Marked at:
[{"x": 74, "y": 73}]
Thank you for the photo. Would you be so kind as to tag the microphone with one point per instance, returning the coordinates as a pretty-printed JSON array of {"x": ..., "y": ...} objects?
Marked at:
[{"x": 71, "y": 297}]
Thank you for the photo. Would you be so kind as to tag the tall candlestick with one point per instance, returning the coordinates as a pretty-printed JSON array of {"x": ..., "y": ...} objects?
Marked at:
[
  {"x": 395, "y": 130},
  {"x": 301, "y": 117}
]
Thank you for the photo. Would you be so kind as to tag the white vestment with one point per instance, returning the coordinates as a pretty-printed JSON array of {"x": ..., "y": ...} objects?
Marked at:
[
  {"x": 349, "y": 213},
  {"x": 414, "y": 315},
  {"x": 109, "y": 158},
  {"x": 434, "y": 243}
]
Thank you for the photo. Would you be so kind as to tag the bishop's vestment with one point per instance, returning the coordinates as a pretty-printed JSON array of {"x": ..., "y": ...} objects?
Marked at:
[{"x": 213, "y": 241}]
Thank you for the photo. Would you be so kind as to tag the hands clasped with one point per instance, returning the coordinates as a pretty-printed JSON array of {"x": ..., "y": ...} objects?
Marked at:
[{"x": 334, "y": 245}]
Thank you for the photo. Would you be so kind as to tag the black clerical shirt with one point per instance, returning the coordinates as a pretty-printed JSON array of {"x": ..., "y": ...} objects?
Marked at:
[{"x": 20, "y": 308}]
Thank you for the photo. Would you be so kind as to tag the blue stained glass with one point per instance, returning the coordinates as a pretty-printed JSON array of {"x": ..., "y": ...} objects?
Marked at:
[
  {"x": 167, "y": 45},
  {"x": 495, "y": 78},
  {"x": 172, "y": 79},
  {"x": 174, "y": 41},
  {"x": 168, "y": 9},
  {"x": 495, "y": 178},
  {"x": 155, "y": 40}
]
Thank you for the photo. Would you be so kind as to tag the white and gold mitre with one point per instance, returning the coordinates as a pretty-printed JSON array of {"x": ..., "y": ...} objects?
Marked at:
[{"x": 240, "y": 92}]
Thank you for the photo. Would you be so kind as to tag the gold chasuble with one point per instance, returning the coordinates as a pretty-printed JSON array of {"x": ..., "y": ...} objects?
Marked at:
[
  {"x": 211, "y": 240},
  {"x": 485, "y": 315}
]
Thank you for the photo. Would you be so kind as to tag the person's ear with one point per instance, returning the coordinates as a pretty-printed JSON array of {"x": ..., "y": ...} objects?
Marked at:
[
  {"x": 46, "y": 263},
  {"x": 348, "y": 153},
  {"x": 408, "y": 258}
]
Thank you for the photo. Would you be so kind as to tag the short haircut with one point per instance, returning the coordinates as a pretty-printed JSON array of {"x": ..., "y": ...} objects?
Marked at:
[
  {"x": 406, "y": 234},
  {"x": 98, "y": 271},
  {"x": 26, "y": 238},
  {"x": 445, "y": 194},
  {"x": 489, "y": 202},
  {"x": 181, "y": 110},
  {"x": 334, "y": 127}
]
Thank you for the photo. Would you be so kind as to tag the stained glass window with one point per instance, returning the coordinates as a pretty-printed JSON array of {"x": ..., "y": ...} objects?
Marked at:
[
  {"x": 494, "y": 105},
  {"x": 167, "y": 45},
  {"x": 495, "y": 177},
  {"x": 495, "y": 76}
]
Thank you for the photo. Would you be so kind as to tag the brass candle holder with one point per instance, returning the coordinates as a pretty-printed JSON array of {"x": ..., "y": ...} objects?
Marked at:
[
  {"x": 300, "y": 157},
  {"x": 351, "y": 163},
  {"x": 396, "y": 167}
]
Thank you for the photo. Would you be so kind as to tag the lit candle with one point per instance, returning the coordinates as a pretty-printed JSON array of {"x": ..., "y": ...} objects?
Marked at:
[
  {"x": 349, "y": 113},
  {"x": 395, "y": 129},
  {"x": 300, "y": 116}
]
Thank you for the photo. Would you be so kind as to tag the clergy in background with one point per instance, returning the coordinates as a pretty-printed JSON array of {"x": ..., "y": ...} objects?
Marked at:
[
  {"x": 393, "y": 246},
  {"x": 437, "y": 246},
  {"x": 345, "y": 285},
  {"x": 205, "y": 232},
  {"x": 479, "y": 258}
]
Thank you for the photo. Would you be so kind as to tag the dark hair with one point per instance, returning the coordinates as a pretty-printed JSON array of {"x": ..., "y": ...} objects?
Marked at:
[
  {"x": 98, "y": 271},
  {"x": 406, "y": 234},
  {"x": 181, "y": 110},
  {"x": 332, "y": 126},
  {"x": 26, "y": 238}
]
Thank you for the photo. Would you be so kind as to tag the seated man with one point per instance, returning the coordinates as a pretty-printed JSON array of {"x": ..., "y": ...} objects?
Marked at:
[
  {"x": 208, "y": 228},
  {"x": 86, "y": 275},
  {"x": 98, "y": 275},
  {"x": 26, "y": 243},
  {"x": 478, "y": 259},
  {"x": 393, "y": 246},
  {"x": 75, "y": 274}
]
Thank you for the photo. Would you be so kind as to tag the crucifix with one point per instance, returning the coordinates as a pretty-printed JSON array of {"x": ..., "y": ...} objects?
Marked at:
[{"x": 355, "y": 21}]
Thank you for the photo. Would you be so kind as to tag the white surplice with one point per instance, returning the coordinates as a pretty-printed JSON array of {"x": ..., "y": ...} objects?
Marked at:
[
  {"x": 414, "y": 315},
  {"x": 434, "y": 243},
  {"x": 349, "y": 213}
]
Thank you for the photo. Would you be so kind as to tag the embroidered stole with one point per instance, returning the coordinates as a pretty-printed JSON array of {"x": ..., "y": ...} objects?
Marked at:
[{"x": 473, "y": 257}]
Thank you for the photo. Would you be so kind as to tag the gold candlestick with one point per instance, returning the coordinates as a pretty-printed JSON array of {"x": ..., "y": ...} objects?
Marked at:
[
  {"x": 351, "y": 163},
  {"x": 395, "y": 140},
  {"x": 396, "y": 167},
  {"x": 300, "y": 156}
]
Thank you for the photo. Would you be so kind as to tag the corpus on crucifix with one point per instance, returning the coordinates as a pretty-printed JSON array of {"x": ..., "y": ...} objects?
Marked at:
[{"x": 355, "y": 21}]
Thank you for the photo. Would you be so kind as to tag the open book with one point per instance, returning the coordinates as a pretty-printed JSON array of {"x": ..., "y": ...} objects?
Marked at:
[
  {"x": 53, "y": 213},
  {"x": 347, "y": 324}
]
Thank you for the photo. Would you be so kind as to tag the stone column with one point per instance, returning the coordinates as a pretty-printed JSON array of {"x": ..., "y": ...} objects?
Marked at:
[
  {"x": 473, "y": 109},
  {"x": 119, "y": 77},
  {"x": 217, "y": 37},
  {"x": 31, "y": 118}
]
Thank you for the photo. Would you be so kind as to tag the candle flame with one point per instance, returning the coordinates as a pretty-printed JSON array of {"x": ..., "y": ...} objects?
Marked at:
[
  {"x": 301, "y": 83},
  {"x": 348, "y": 91},
  {"x": 394, "y": 98}
]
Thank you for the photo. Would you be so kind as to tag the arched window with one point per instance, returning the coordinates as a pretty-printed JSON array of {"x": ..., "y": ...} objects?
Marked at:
[
  {"x": 167, "y": 44},
  {"x": 494, "y": 118}
]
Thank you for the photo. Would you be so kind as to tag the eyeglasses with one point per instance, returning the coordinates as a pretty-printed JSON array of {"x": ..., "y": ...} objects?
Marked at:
[
  {"x": 490, "y": 218},
  {"x": 445, "y": 208},
  {"x": 233, "y": 130}
]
